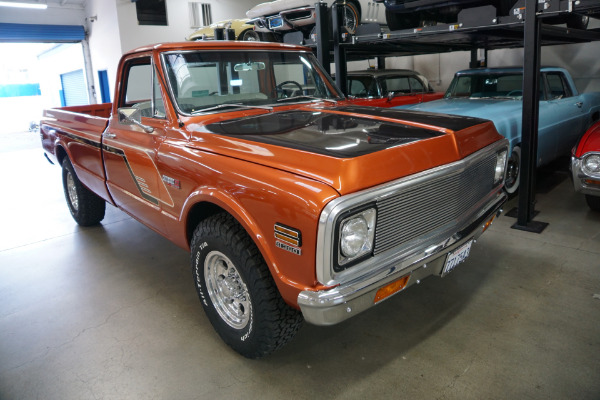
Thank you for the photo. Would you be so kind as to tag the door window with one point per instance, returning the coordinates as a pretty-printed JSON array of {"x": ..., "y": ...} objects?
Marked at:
[{"x": 142, "y": 90}]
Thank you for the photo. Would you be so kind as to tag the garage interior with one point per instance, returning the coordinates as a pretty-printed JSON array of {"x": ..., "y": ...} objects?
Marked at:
[{"x": 111, "y": 311}]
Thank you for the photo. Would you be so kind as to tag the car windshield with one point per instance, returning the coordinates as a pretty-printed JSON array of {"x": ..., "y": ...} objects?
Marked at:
[
  {"x": 208, "y": 81},
  {"x": 509, "y": 85}
]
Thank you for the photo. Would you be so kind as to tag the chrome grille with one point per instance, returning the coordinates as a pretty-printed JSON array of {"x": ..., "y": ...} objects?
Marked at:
[{"x": 420, "y": 209}]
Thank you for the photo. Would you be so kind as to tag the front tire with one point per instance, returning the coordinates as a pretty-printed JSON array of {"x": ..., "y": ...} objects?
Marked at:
[
  {"x": 237, "y": 291},
  {"x": 513, "y": 171},
  {"x": 249, "y": 35},
  {"x": 86, "y": 207},
  {"x": 593, "y": 202}
]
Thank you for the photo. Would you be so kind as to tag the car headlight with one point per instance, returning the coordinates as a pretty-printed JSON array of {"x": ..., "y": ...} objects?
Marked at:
[
  {"x": 500, "y": 166},
  {"x": 356, "y": 235},
  {"x": 591, "y": 164}
]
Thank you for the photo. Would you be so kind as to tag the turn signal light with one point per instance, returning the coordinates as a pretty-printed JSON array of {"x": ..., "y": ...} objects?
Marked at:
[
  {"x": 391, "y": 288},
  {"x": 487, "y": 224},
  {"x": 591, "y": 182}
]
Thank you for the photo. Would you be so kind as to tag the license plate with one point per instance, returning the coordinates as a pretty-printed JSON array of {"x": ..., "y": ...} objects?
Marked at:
[
  {"x": 456, "y": 257},
  {"x": 275, "y": 22}
]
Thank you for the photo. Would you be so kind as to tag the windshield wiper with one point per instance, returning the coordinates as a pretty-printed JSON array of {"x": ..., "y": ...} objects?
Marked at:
[
  {"x": 235, "y": 105},
  {"x": 303, "y": 96}
]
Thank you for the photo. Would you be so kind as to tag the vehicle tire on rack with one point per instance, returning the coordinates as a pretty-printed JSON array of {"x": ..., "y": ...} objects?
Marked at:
[
  {"x": 237, "y": 291},
  {"x": 513, "y": 171},
  {"x": 85, "y": 206},
  {"x": 593, "y": 202},
  {"x": 249, "y": 35},
  {"x": 398, "y": 21},
  {"x": 576, "y": 21},
  {"x": 350, "y": 16}
]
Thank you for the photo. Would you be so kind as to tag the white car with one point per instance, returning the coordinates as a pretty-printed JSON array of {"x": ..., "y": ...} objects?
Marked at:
[{"x": 283, "y": 16}]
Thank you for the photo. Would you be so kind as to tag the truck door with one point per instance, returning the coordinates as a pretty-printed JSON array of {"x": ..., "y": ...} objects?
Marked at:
[{"x": 130, "y": 151}]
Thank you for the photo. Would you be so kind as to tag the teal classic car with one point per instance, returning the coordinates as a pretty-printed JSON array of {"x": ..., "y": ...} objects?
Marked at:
[{"x": 496, "y": 94}]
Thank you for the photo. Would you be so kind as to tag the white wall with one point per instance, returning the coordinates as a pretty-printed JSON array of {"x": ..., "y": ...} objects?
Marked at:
[
  {"x": 134, "y": 35},
  {"x": 104, "y": 39}
]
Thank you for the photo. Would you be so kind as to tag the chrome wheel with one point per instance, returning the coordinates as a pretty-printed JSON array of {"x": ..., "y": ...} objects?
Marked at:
[
  {"x": 227, "y": 290},
  {"x": 350, "y": 18},
  {"x": 72, "y": 191},
  {"x": 250, "y": 36}
]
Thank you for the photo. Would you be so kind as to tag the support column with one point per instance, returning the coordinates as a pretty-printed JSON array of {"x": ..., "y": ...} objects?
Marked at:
[
  {"x": 339, "y": 53},
  {"x": 322, "y": 39},
  {"x": 530, "y": 119}
]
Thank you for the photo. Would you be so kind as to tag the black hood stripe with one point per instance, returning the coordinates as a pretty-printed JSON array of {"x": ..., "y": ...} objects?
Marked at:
[{"x": 342, "y": 135}]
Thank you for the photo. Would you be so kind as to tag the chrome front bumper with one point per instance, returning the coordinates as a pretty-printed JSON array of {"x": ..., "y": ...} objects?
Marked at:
[
  {"x": 579, "y": 177},
  {"x": 335, "y": 305}
]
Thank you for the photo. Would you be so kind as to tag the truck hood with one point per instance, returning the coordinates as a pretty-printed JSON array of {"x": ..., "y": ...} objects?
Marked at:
[{"x": 349, "y": 148}]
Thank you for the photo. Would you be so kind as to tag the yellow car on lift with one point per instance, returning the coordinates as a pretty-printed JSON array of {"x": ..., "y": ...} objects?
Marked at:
[{"x": 243, "y": 30}]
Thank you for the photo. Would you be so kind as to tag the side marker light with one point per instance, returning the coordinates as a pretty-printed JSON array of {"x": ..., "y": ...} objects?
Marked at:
[{"x": 391, "y": 288}]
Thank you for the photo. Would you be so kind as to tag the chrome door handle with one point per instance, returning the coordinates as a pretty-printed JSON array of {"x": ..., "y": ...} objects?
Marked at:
[
  {"x": 579, "y": 104},
  {"x": 109, "y": 135}
]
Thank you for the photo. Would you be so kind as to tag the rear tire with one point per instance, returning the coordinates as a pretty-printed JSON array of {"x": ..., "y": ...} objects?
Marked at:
[
  {"x": 593, "y": 202},
  {"x": 350, "y": 16},
  {"x": 85, "y": 206},
  {"x": 237, "y": 291}
]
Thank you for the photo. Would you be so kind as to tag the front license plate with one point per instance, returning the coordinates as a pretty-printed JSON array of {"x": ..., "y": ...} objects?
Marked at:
[{"x": 456, "y": 257}]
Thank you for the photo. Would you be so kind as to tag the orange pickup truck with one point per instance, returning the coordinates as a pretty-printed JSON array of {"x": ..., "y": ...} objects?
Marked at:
[{"x": 295, "y": 204}]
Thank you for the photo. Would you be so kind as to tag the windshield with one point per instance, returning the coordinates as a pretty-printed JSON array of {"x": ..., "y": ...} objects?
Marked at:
[
  {"x": 486, "y": 86},
  {"x": 222, "y": 80}
]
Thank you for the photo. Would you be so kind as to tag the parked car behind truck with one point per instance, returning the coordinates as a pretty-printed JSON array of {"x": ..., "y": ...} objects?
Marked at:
[
  {"x": 585, "y": 166},
  {"x": 276, "y": 18},
  {"x": 497, "y": 94},
  {"x": 294, "y": 207}
]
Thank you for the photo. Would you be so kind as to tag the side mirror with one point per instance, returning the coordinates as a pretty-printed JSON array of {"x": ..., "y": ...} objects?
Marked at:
[{"x": 133, "y": 116}]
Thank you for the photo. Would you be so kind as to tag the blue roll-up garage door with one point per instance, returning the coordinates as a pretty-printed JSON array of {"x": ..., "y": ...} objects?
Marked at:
[
  {"x": 74, "y": 90},
  {"x": 30, "y": 33}
]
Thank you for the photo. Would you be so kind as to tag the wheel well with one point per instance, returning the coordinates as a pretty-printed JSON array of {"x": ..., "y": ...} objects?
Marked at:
[
  {"x": 60, "y": 154},
  {"x": 595, "y": 116},
  {"x": 199, "y": 212}
]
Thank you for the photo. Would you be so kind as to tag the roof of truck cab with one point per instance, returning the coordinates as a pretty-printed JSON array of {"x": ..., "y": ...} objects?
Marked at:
[{"x": 217, "y": 45}]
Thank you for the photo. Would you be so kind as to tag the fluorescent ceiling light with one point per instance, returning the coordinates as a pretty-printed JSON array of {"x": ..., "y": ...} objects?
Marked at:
[{"x": 23, "y": 5}]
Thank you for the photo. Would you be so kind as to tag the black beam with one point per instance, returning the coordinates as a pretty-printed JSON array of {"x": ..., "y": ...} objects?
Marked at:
[
  {"x": 530, "y": 119},
  {"x": 322, "y": 39},
  {"x": 219, "y": 34},
  {"x": 339, "y": 52},
  {"x": 380, "y": 62},
  {"x": 229, "y": 34}
]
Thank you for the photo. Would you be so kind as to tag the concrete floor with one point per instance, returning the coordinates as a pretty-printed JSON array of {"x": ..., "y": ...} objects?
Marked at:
[{"x": 110, "y": 312}]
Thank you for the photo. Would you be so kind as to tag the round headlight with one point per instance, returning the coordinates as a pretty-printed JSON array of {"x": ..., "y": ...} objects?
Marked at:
[
  {"x": 591, "y": 164},
  {"x": 354, "y": 237}
]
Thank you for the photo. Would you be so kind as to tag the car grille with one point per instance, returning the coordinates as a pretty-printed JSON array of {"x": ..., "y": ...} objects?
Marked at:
[{"x": 417, "y": 210}]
